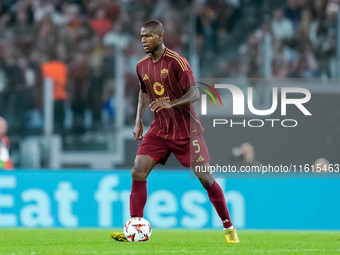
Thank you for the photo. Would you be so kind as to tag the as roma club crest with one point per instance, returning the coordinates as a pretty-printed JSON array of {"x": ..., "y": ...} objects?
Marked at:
[
  {"x": 164, "y": 73},
  {"x": 158, "y": 88}
]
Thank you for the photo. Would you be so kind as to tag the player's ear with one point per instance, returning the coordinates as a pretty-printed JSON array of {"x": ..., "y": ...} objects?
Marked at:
[{"x": 160, "y": 36}]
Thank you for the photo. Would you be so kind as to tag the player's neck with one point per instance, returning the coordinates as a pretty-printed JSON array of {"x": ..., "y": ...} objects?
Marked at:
[{"x": 156, "y": 55}]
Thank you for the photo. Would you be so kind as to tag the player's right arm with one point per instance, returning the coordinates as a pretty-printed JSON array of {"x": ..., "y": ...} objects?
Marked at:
[{"x": 143, "y": 102}]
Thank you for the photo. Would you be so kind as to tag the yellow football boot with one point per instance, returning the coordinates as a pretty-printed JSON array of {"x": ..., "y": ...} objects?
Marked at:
[
  {"x": 119, "y": 237},
  {"x": 231, "y": 235}
]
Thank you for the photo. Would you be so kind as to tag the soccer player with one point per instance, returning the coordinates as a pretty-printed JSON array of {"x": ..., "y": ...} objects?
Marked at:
[{"x": 166, "y": 80}]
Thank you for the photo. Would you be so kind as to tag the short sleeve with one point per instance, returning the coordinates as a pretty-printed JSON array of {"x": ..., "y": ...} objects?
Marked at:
[
  {"x": 185, "y": 76},
  {"x": 141, "y": 83}
]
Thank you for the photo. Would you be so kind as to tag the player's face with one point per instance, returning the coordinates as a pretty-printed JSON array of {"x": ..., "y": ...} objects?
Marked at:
[{"x": 151, "y": 40}]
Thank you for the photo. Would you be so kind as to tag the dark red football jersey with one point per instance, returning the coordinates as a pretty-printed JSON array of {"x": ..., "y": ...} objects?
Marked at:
[{"x": 167, "y": 80}]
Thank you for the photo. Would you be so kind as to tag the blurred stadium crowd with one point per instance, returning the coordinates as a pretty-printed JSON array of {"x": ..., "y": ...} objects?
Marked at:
[{"x": 75, "y": 42}]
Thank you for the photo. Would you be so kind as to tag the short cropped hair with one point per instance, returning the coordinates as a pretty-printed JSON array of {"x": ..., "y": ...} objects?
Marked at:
[{"x": 155, "y": 25}]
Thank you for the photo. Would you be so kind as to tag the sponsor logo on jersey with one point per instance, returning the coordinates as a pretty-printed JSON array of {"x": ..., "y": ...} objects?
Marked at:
[
  {"x": 164, "y": 73},
  {"x": 146, "y": 77},
  {"x": 158, "y": 88}
]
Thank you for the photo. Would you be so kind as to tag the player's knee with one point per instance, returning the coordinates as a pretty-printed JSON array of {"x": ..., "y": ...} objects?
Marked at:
[
  {"x": 206, "y": 183},
  {"x": 138, "y": 174}
]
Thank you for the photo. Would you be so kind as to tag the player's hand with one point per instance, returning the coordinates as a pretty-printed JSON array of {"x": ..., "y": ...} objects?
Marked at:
[
  {"x": 160, "y": 105},
  {"x": 138, "y": 132}
]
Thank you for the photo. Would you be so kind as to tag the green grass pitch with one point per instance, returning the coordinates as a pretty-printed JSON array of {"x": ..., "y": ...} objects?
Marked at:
[{"x": 97, "y": 241}]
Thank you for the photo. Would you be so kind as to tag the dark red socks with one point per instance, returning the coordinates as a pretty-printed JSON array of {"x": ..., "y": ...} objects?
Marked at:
[
  {"x": 138, "y": 198},
  {"x": 139, "y": 195},
  {"x": 216, "y": 197}
]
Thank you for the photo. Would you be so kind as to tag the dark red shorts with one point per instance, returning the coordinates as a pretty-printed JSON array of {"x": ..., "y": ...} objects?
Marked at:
[{"x": 189, "y": 152}]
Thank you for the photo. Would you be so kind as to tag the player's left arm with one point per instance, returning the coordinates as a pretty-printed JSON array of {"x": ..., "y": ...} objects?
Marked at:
[{"x": 191, "y": 95}]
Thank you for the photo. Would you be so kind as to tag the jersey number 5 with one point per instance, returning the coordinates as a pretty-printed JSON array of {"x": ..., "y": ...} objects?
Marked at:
[{"x": 195, "y": 144}]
